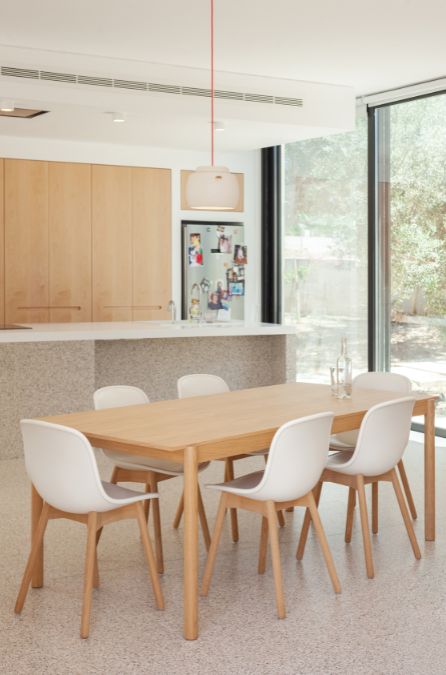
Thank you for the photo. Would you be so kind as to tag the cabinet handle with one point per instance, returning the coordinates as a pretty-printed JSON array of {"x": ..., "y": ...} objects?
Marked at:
[
  {"x": 132, "y": 307},
  {"x": 78, "y": 307}
]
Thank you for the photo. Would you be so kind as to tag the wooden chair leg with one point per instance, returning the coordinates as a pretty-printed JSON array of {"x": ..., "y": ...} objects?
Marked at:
[
  {"x": 89, "y": 573},
  {"x": 153, "y": 487},
  {"x": 407, "y": 490},
  {"x": 290, "y": 509},
  {"x": 375, "y": 507},
  {"x": 179, "y": 513},
  {"x": 263, "y": 546},
  {"x": 350, "y": 515},
  {"x": 324, "y": 543},
  {"x": 151, "y": 563},
  {"x": 405, "y": 514},
  {"x": 306, "y": 524},
  {"x": 96, "y": 566},
  {"x": 146, "y": 505},
  {"x": 275, "y": 556},
  {"x": 365, "y": 527},
  {"x": 229, "y": 475},
  {"x": 203, "y": 521},
  {"x": 216, "y": 536},
  {"x": 280, "y": 518},
  {"x": 32, "y": 558}
]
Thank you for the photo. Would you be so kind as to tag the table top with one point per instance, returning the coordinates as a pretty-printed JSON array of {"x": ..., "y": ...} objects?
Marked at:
[{"x": 223, "y": 424}]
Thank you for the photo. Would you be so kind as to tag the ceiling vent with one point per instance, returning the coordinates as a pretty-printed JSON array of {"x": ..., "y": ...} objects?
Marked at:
[{"x": 160, "y": 88}]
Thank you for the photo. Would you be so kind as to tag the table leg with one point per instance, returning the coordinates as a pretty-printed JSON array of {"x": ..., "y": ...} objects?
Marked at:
[
  {"x": 190, "y": 543},
  {"x": 36, "y": 510},
  {"x": 429, "y": 471}
]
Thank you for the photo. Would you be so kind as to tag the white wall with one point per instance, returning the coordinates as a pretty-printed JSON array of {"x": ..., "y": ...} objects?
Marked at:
[{"x": 247, "y": 163}]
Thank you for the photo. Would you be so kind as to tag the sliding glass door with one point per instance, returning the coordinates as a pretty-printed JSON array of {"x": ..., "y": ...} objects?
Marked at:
[
  {"x": 324, "y": 250},
  {"x": 410, "y": 188}
]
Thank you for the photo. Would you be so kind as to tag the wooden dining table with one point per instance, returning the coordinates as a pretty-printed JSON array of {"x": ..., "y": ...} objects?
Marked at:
[{"x": 199, "y": 429}]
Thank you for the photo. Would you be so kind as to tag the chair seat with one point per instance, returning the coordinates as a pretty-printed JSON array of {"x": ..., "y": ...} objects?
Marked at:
[
  {"x": 337, "y": 444},
  {"x": 117, "y": 492},
  {"x": 239, "y": 485}
]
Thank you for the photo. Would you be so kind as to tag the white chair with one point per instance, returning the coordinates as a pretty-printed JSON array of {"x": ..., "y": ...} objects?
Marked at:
[
  {"x": 382, "y": 439},
  {"x": 346, "y": 441},
  {"x": 61, "y": 465},
  {"x": 138, "y": 469},
  {"x": 297, "y": 457},
  {"x": 204, "y": 384}
]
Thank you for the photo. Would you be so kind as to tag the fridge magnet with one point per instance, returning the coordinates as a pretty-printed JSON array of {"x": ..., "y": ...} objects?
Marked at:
[
  {"x": 220, "y": 287},
  {"x": 241, "y": 254},
  {"x": 225, "y": 243},
  {"x": 214, "y": 301},
  {"x": 220, "y": 228},
  {"x": 236, "y": 288},
  {"x": 205, "y": 285},
  {"x": 195, "y": 250}
]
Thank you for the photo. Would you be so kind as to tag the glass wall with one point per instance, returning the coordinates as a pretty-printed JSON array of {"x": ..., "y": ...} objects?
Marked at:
[
  {"x": 411, "y": 182},
  {"x": 324, "y": 255}
]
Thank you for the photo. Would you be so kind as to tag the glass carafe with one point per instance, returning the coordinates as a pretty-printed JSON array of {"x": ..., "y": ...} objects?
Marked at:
[{"x": 344, "y": 371}]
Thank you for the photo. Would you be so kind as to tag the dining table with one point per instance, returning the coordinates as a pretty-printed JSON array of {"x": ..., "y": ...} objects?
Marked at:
[{"x": 214, "y": 427}]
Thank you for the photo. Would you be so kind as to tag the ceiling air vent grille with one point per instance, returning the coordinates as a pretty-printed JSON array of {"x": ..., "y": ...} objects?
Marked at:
[
  {"x": 164, "y": 88},
  {"x": 229, "y": 95},
  {"x": 156, "y": 87},
  {"x": 95, "y": 81},
  {"x": 57, "y": 77},
  {"x": 130, "y": 84},
  {"x": 20, "y": 72},
  {"x": 284, "y": 100}
]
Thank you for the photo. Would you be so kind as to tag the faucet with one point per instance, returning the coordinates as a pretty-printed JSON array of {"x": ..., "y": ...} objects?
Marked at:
[{"x": 171, "y": 307}]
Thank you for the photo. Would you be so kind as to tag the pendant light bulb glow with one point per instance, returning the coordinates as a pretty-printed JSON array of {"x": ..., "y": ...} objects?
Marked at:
[{"x": 212, "y": 188}]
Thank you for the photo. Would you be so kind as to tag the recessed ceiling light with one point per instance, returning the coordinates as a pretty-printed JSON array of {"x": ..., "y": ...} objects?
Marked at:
[
  {"x": 118, "y": 117},
  {"x": 6, "y": 105}
]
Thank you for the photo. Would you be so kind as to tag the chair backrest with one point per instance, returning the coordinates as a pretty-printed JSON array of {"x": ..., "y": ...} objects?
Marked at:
[
  {"x": 383, "y": 381},
  {"x": 200, "y": 384},
  {"x": 61, "y": 464},
  {"x": 118, "y": 396},
  {"x": 376, "y": 380},
  {"x": 296, "y": 459},
  {"x": 382, "y": 438}
]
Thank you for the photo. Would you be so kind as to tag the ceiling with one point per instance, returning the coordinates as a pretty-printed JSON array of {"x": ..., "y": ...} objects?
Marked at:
[{"x": 366, "y": 46}]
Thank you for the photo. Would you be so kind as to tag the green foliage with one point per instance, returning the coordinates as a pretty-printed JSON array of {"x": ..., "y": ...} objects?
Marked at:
[{"x": 326, "y": 194}]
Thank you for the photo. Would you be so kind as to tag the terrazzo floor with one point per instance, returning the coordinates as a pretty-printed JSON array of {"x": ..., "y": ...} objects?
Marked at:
[{"x": 395, "y": 623}]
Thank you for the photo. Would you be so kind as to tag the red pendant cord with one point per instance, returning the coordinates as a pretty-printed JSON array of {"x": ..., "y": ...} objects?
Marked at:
[{"x": 212, "y": 82}]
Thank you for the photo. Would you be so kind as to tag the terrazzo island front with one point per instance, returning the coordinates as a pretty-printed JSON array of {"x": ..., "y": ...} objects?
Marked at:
[{"x": 50, "y": 369}]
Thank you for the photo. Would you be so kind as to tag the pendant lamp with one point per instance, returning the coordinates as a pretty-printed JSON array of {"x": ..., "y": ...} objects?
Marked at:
[{"x": 212, "y": 188}]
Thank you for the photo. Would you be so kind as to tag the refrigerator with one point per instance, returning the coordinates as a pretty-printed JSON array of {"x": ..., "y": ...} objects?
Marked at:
[{"x": 214, "y": 262}]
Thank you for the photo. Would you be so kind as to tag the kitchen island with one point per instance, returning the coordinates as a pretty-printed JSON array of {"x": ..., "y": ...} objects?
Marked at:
[{"x": 50, "y": 369}]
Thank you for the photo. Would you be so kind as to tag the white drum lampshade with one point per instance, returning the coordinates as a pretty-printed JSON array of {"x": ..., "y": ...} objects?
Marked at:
[{"x": 212, "y": 188}]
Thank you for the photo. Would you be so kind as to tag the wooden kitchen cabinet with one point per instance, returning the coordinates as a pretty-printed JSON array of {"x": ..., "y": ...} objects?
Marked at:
[
  {"x": 151, "y": 241},
  {"x": 69, "y": 203},
  {"x": 26, "y": 241},
  {"x": 112, "y": 243}
]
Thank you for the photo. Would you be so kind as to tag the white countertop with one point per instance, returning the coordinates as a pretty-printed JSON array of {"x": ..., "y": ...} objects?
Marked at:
[{"x": 137, "y": 330}]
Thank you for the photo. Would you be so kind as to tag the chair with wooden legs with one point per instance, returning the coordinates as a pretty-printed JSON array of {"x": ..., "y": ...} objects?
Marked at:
[
  {"x": 297, "y": 457},
  {"x": 62, "y": 467},
  {"x": 205, "y": 384},
  {"x": 137, "y": 469},
  {"x": 382, "y": 439},
  {"x": 346, "y": 441}
]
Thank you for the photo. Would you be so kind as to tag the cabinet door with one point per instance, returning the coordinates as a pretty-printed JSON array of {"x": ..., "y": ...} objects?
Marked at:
[
  {"x": 2, "y": 249},
  {"x": 151, "y": 201},
  {"x": 69, "y": 203},
  {"x": 26, "y": 241},
  {"x": 112, "y": 243}
]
